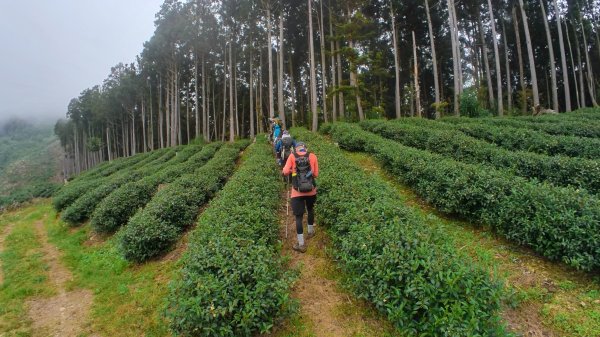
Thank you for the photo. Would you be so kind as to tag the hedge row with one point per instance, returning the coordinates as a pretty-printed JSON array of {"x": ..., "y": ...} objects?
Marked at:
[
  {"x": 123, "y": 185},
  {"x": 112, "y": 165},
  {"x": 568, "y": 128},
  {"x": 534, "y": 141},
  {"x": 233, "y": 281},
  {"x": 114, "y": 210},
  {"x": 409, "y": 271},
  {"x": 559, "y": 223},
  {"x": 154, "y": 229},
  {"x": 560, "y": 171},
  {"x": 76, "y": 188}
]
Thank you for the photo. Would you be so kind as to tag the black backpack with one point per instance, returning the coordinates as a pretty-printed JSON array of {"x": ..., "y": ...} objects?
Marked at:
[
  {"x": 303, "y": 181},
  {"x": 286, "y": 148}
]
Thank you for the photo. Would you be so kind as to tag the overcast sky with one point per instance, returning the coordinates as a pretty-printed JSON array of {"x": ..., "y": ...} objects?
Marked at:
[{"x": 53, "y": 49}]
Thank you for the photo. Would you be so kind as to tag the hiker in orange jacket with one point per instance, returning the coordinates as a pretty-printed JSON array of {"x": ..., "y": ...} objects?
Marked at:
[{"x": 304, "y": 168}]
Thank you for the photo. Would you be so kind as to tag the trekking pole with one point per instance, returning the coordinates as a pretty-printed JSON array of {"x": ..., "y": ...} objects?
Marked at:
[{"x": 287, "y": 204}]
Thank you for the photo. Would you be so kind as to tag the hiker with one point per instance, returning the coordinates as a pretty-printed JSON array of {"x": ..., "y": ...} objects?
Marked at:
[
  {"x": 304, "y": 168},
  {"x": 276, "y": 130},
  {"x": 284, "y": 147}
]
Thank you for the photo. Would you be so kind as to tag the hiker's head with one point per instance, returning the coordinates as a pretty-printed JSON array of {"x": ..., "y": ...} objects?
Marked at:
[
  {"x": 301, "y": 148},
  {"x": 286, "y": 133}
]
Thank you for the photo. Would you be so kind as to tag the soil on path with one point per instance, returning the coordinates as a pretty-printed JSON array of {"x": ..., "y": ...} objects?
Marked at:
[
  {"x": 65, "y": 314},
  {"x": 5, "y": 233},
  {"x": 324, "y": 308}
]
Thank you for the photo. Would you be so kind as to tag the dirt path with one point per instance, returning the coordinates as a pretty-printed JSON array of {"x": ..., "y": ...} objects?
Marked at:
[
  {"x": 65, "y": 314},
  {"x": 324, "y": 307},
  {"x": 5, "y": 233}
]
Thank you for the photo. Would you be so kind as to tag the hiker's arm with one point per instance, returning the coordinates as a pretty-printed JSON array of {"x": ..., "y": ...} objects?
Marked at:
[{"x": 289, "y": 165}]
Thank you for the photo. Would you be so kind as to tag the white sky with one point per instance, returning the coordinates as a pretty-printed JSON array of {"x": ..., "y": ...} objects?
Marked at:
[{"x": 51, "y": 50}]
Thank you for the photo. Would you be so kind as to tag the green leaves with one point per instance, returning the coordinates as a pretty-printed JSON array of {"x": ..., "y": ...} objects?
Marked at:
[
  {"x": 559, "y": 223},
  {"x": 233, "y": 281},
  {"x": 407, "y": 270}
]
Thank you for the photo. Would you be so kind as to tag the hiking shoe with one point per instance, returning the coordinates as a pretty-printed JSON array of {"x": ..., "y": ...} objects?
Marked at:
[{"x": 298, "y": 248}]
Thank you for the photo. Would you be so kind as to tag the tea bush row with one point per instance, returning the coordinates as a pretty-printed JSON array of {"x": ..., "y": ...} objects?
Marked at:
[
  {"x": 154, "y": 229},
  {"x": 560, "y": 171},
  {"x": 409, "y": 271},
  {"x": 568, "y": 128},
  {"x": 559, "y": 223},
  {"x": 233, "y": 281}
]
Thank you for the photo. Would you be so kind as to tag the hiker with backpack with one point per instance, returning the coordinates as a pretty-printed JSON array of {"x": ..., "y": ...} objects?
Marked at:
[
  {"x": 304, "y": 168},
  {"x": 284, "y": 147}
]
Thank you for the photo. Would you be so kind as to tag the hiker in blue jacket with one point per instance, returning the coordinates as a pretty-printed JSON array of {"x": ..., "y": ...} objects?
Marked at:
[{"x": 284, "y": 146}]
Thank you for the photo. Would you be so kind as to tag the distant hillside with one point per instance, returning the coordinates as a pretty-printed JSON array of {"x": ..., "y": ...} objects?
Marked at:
[{"x": 29, "y": 157}]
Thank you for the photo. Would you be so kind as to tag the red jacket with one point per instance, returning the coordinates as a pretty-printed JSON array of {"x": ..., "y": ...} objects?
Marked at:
[{"x": 290, "y": 167}]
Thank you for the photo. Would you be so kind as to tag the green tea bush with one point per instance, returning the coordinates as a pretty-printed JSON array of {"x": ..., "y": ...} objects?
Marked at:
[
  {"x": 534, "y": 141},
  {"x": 408, "y": 270},
  {"x": 560, "y": 171},
  {"x": 233, "y": 281},
  {"x": 566, "y": 127},
  {"x": 559, "y": 223},
  {"x": 154, "y": 229}
]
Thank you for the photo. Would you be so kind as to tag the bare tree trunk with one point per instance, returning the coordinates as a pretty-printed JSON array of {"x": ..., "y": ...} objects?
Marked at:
[
  {"x": 224, "y": 94},
  {"x": 270, "y": 53},
  {"x": 397, "y": 60},
  {"x": 133, "y": 140},
  {"x": 507, "y": 66},
  {"x": 486, "y": 63},
  {"x": 554, "y": 88},
  {"x": 323, "y": 65},
  {"x": 497, "y": 59},
  {"x": 151, "y": 131},
  {"x": 280, "y": 106},
  {"x": 458, "y": 50},
  {"x": 563, "y": 58},
  {"x": 436, "y": 81},
  {"x": 573, "y": 65},
  {"x": 313, "y": 77},
  {"x": 416, "y": 74},
  {"x": 580, "y": 66},
  {"x": 108, "y": 143},
  {"x": 520, "y": 57},
  {"x": 251, "y": 85},
  {"x": 455, "y": 58},
  {"x": 590, "y": 71},
  {"x": 339, "y": 76},
  {"x": 293, "y": 90},
  {"x": 160, "y": 115},
  {"x": 534, "y": 84},
  {"x": 144, "y": 144},
  {"x": 259, "y": 107},
  {"x": 197, "y": 99},
  {"x": 354, "y": 76},
  {"x": 332, "y": 60},
  {"x": 168, "y": 102},
  {"x": 231, "y": 84}
]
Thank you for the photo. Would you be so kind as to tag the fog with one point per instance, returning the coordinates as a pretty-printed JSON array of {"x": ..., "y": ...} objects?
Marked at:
[{"x": 54, "y": 49}]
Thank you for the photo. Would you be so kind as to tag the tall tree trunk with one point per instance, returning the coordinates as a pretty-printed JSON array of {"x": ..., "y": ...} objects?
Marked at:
[
  {"x": 151, "y": 131},
  {"x": 224, "y": 94},
  {"x": 486, "y": 63},
  {"x": 436, "y": 81},
  {"x": 397, "y": 60},
  {"x": 108, "y": 143},
  {"x": 354, "y": 75},
  {"x": 160, "y": 114},
  {"x": 231, "y": 84},
  {"x": 280, "y": 106},
  {"x": 572, "y": 65},
  {"x": 497, "y": 59},
  {"x": 416, "y": 74},
  {"x": 590, "y": 71},
  {"x": 168, "y": 102},
  {"x": 313, "y": 77},
  {"x": 332, "y": 60},
  {"x": 455, "y": 58},
  {"x": 457, "y": 46},
  {"x": 580, "y": 66},
  {"x": 534, "y": 84},
  {"x": 133, "y": 139},
  {"x": 144, "y": 144},
  {"x": 507, "y": 66},
  {"x": 520, "y": 58},
  {"x": 554, "y": 88},
  {"x": 197, "y": 99},
  {"x": 205, "y": 119},
  {"x": 323, "y": 65},
  {"x": 563, "y": 58},
  {"x": 259, "y": 103},
  {"x": 292, "y": 89},
  {"x": 339, "y": 77},
  {"x": 270, "y": 57},
  {"x": 251, "y": 85}
]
